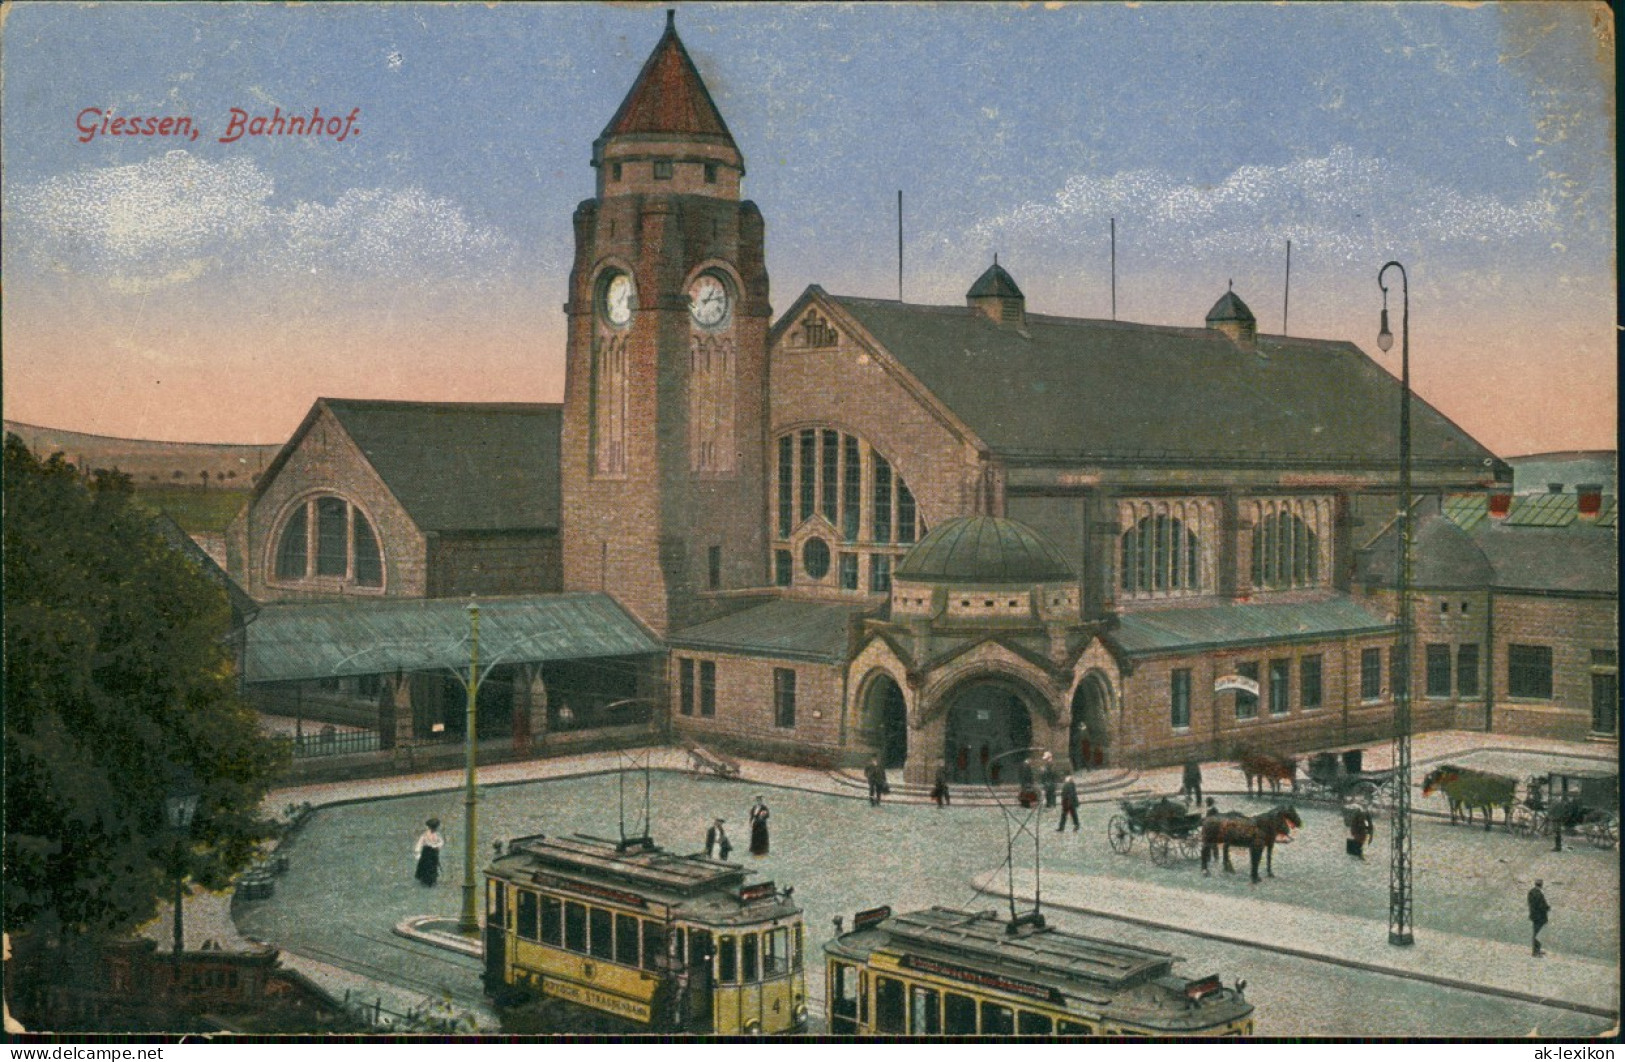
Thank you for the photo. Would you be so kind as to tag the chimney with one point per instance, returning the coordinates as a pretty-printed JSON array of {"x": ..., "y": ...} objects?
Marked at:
[
  {"x": 1232, "y": 317},
  {"x": 1590, "y": 500},
  {"x": 996, "y": 297},
  {"x": 1500, "y": 502}
]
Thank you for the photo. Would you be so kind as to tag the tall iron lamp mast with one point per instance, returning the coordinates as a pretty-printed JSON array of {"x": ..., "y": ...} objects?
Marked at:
[
  {"x": 1400, "y": 922},
  {"x": 469, "y": 921}
]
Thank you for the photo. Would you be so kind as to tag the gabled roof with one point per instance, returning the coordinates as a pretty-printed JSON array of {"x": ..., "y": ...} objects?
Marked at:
[
  {"x": 1581, "y": 558},
  {"x": 291, "y": 642},
  {"x": 454, "y": 466},
  {"x": 669, "y": 98},
  {"x": 995, "y": 282},
  {"x": 1072, "y": 388}
]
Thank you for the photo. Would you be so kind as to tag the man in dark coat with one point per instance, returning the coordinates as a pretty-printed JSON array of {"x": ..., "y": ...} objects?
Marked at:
[
  {"x": 1538, "y": 910},
  {"x": 1191, "y": 784},
  {"x": 1360, "y": 830},
  {"x": 1069, "y": 806},
  {"x": 877, "y": 782},
  {"x": 1048, "y": 777},
  {"x": 716, "y": 840},
  {"x": 939, "y": 789}
]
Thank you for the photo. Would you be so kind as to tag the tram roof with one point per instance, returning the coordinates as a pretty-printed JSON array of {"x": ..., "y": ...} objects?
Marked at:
[{"x": 957, "y": 936}]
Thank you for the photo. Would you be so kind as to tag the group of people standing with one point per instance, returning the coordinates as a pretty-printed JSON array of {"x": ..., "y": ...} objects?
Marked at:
[{"x": 717, "y": 844}]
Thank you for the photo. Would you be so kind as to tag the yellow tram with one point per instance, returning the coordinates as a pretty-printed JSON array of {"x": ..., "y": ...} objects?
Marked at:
[
  {"x": 942, "y": 972},
  {"x": 662, "y": 942}
]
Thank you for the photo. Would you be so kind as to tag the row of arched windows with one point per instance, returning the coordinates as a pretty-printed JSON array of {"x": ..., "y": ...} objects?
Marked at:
[
  {"x": 1163, "y": 547},
  {"x": 1287, "y": 540},
  {"x": 326, "y": 538}
]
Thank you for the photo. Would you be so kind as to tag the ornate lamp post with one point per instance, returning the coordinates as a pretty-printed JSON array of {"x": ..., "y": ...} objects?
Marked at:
[
  {"x": 1399, "y": 864},
  {"x": 469, "y": 922},
  {"x": 179, "y": 807}
]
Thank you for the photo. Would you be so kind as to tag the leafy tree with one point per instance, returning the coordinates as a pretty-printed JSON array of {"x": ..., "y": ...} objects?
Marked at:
[{"x": 118, "y": 685}]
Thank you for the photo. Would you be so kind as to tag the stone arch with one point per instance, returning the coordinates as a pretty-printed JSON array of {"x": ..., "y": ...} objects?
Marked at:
[
  {"x": 1089, "y": 740},
  {"x": 883, "y": 716},
  {"x": 987, "y": 715}
]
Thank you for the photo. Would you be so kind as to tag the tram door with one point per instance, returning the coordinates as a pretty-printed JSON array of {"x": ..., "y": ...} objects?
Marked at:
[
  {"x": 701, "y": 984},
  {"x": 750, "y": 982}
]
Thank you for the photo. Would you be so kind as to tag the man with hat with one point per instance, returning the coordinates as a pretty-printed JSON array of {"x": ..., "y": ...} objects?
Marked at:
[
  {"x": 716, "y": 841},
  {"x": 1538, "y": 910}
]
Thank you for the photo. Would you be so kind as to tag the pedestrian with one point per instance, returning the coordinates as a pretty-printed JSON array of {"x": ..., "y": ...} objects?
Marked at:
[
  {"x": 1049, "y": 778},
  {"x": 1360, "y": 830},
  {"x": 1190, "y": 786},
  {"x": 716, "y": 840},
  {"x": 1026, "y": 790},
  {"x": 1538, "y": 910},
  {"x": 428, "y": 853},
  {"x": 1562, "y": 814},
  {"x": 939, "y": 788},
  {"x": 876, "y": 776},
  {"x": 1212, "y": 809},
  {"x": 758, "y": 827},
  {"x": 1069, "y": 806}
]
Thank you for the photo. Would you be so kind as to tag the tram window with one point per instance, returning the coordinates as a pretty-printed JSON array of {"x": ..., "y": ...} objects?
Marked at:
[
  {"x": 552, "y": 910},
  {"x": 1073, "y": 1028},
  {"x": 727, "y": 972},
  {"x": 699, "y": 947},
  {"x": 775, "y": 952},
  {"x": 747, "y": 956},
  {"x": 843, "y": 1010},
  {"x": 846, "y": 984},
  {"x": 889, "y": 1006},
  {"x": 527, "y": 915},
  {"x": 496, "y": 909},
  {"x": 795, "y": 961},
  {"x": 1029, "y": 1024},
  {"x": 626, "y": 940},
  {"x": 959, "y": 1015},
  {"x": 997, "y": 1020},
  {"x": 924, "y": 1011},
  {"x": 654, "y": 945},
  {"x": 575, "y": 927},
  {"x": 602, "y": 942}
]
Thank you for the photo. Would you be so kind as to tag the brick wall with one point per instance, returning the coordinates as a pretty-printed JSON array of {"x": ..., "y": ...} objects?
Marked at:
[
  {"x": 1572, "y": 627},
  {"x": 745, "y": 719},
  {"x": 494, "y": 564}
]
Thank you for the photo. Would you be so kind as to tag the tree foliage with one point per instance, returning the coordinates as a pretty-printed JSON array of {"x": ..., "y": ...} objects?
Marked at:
[{"x": 119, "y": 688}]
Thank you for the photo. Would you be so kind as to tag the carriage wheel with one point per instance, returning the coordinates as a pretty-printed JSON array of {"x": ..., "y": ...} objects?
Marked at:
[
  {"x": 1540, "y": 824},
  {"x": 1523, "y": 821},
  {"x": 1119, "y": 834},
  {"x": 1158, "y": 842},
  {"x": 1190, "y": 845},
  {"x": 1603, "y": 833},
  {"x": 1365, "y": 794}
]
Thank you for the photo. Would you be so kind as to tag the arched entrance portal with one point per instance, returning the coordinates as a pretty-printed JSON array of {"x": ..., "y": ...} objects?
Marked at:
[
  {"x": 986, "y": 719},
  {"x": 1090, "y": 734},
  {"x": 887, "y": 716}
]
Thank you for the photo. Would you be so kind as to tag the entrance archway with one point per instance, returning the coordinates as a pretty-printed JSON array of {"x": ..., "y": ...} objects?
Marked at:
[
  {"x": 987, "y": 718},
  {"x": 887, "y": 715},
  {"x": 1090, "y": 734}
]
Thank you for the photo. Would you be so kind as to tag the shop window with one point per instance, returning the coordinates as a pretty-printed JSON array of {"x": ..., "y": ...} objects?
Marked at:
[
  {"x": 1438, "y": 675},
  {"x": 1529, "y": 671},
  {"x": 1310, "y": 694}
]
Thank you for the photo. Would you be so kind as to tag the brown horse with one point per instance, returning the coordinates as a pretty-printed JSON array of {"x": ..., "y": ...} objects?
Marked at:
[
  {"x": 1259, "y": 833},
  {"x": 1264, "y": 767},
  {"x": 1467, "y": 789}
]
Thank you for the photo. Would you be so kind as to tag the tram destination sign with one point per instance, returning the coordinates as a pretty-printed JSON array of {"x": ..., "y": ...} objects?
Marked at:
[
  {"x": 762, "y": 890},
  {"x": 981, "y": 978},
  {"x": 870, "y": 917}
]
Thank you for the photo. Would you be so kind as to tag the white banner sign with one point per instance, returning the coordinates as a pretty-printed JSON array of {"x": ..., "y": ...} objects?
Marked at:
[{"x": 1236, "y": 682}]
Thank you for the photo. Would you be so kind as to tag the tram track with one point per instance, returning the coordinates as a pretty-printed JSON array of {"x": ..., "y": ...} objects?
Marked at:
[{"x": 406, "y": 984}]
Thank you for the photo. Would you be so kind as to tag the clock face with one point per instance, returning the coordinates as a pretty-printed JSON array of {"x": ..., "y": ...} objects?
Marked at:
[
  {"x": 618, "y": 300},
  {"x": 708, "y": 301}
]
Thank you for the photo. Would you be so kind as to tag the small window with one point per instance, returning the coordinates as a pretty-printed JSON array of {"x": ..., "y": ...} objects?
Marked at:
[
  {"x": 784, "y": 697},
  {"x": 602, "y": 943},
  {"x": 998, "y": 1019},
  {"x": 849, "y": 571},
  {"x": 924, "y": 1011},
  {"x": 775, "y": 952},
  {"x": 496, "y": 903},
  {"x": 1310, "y": 694},
  {"x": 1529, "y": 671},
  {"x": 552, "y": 916},
  {"x": 879, "y": 574},
  {"x": 815, "y": 558},
  {"x": 727, "y": 961},
  {"x": 626, "y": 940},
  {"x": 1179, "y": 697},
  {"x": 1438, "y": 662},
  {"x": 1467, "y": 670},
  {"x": 1399, "y": 672},
  {"x": 958, "y": 1015},
  {"x": 615, "y": 172},
  {"x": 575, "y": 927},
  {"x": 1464, "y": 605},
  {"x": 654, "y": 945},
  {"x": 1030, "y": 1024},
  {"x": 1370, "y": 674},
  {"x": 528, "y": 926},
  {"x": 685, "y": 686},
  {"x": 890, "y": 1006},
  {"x": 713, "y": 567},
  {"x": 708, "y": 688},
  {"x": 663, "y": 170},
  {"x": 1280, "y": 686},
  {"x": 1247, "y": 703},
  {"x": 783, "y": 567},
  {"x": 749, "y": 945},
  {"x": 710, "y": 173}
]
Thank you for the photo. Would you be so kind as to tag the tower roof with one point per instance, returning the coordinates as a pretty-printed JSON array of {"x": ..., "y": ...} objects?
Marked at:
[
  {"x": 1230, "y": 308},
  {"x": 669, "y": 97},
  {"x": 982, "y": 550},
  {"x": 995, "y": 282}
]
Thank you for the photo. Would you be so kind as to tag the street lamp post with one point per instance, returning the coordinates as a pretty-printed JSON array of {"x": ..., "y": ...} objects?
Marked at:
[
  {"x": 1399, "y": 865},
  {"x": 469, "y": 922},
  {"x": 179, "y": 807}
]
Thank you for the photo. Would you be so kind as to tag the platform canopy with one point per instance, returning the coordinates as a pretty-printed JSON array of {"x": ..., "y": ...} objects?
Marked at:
[{"x": 301, "y": 642}]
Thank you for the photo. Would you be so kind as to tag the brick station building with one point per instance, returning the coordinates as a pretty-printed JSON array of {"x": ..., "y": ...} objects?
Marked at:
[{"x": 938, "y": 534}]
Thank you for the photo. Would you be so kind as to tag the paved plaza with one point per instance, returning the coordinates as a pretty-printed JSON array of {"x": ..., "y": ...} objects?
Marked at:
[{"x": 1311, "y": 942}]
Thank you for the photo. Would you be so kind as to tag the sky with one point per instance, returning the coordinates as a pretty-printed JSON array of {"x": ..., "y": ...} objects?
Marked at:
[{"x": 209, "y": 288}]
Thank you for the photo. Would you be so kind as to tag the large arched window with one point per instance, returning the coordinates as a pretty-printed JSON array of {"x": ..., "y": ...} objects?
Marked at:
[
  {"x": 324, "y": 539},
  {"x": 1163, "y": 549},
  {"x": 1288, "y": 538},
  {"x": 837, "y": 491}
]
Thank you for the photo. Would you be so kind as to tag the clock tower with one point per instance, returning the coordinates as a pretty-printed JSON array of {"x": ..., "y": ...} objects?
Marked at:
[{"x": 665, "y": 392}]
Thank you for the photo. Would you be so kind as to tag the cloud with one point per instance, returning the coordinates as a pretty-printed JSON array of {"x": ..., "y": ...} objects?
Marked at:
[
  {"x": 1342, "y": 205},
  {"x": 174, "y": 219}
]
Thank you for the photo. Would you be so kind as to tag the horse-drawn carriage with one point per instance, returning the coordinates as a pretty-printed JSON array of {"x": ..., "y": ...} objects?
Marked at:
[
  {"x": 1584, "y": 802},
  {"x": 1167, "y": 826},
  {"x": 1336, "y": 776}
]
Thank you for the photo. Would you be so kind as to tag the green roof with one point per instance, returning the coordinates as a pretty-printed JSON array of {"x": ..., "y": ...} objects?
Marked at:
[
  {"x": 1187, "y": 629},
  {"x": 982, "y": 550},
  {"x": 787, "y": 628},
  {"x": 289, "y": 642},
  {"x": 1072, "y": 388},
  {"x": 995, "y": 282}
]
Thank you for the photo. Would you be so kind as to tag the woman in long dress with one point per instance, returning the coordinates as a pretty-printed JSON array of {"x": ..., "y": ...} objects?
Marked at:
[
  {"x": 758, "y": 828},
  {"x": 428, "y": 851}
]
